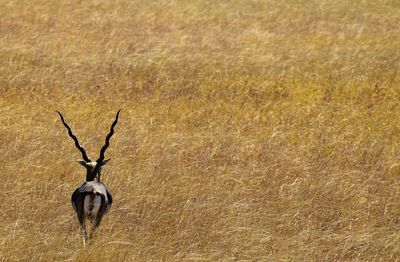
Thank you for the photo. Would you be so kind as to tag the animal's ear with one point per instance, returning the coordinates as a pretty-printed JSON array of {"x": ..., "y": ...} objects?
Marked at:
[
  {"x": 105, "y": 161},
  {"x": 82, "y": 163}
]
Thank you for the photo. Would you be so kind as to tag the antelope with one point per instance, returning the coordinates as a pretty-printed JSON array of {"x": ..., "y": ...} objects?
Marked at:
[{"x": 92, "y": 200}]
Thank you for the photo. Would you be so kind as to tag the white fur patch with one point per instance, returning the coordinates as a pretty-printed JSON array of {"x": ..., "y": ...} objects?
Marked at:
[{"x": 92, "y": 205}]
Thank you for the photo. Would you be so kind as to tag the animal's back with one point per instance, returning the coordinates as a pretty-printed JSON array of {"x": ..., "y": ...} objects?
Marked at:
[{"x": 90, "y": 198}]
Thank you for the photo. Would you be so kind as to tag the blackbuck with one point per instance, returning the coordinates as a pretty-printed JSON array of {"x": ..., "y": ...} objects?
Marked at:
[{"x": 92, "y": 200}]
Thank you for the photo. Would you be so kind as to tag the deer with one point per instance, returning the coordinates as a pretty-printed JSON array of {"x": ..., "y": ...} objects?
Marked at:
[{"x": 92, "y": 200}]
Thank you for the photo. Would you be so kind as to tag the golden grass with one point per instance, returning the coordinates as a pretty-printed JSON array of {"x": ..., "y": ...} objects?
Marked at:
[{"x": 250, "y": 130}]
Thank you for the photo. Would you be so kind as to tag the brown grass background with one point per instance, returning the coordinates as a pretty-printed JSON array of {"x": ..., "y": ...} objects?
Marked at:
[{"x": 250, "y": 130}]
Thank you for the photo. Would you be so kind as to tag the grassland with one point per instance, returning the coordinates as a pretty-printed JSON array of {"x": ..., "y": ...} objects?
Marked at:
[{"x": 250, "y": 130}]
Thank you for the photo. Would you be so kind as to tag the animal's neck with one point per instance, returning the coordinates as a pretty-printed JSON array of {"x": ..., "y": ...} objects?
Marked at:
[{"x": 91, "y": 176}]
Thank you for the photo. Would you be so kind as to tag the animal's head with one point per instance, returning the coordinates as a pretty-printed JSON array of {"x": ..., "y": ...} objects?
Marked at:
[{"x": 93, "y": 168}]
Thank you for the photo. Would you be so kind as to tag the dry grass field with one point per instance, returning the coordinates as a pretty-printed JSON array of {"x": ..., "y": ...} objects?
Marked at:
[{"x": 250, "y": 130}]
